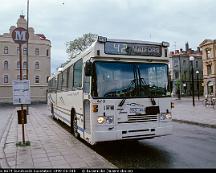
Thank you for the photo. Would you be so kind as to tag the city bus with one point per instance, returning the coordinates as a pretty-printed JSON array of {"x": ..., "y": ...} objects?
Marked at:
[{"x": 114, "y": 90}]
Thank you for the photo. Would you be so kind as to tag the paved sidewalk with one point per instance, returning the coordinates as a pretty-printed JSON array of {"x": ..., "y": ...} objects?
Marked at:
[
  {"x": 199, "y": 114},
  {"x": 51, "y": 145}
]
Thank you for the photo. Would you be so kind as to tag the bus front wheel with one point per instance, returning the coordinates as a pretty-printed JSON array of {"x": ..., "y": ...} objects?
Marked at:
[
  {"x": 52, "y": 112},
  {"x": 74, "y": 127}
]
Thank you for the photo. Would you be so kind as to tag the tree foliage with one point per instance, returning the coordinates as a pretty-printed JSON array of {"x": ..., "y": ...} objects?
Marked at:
[{"x": 76, "y": 46}]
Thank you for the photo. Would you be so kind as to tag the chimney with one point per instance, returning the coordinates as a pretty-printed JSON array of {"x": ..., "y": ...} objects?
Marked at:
[
  {"x": 190, "y": 51},
  {"x": 198, "y": 49},
  {"x": 176, "y": 51},
  {"x": 22, "y": 16},
  {"x": 171, "y": 53}
]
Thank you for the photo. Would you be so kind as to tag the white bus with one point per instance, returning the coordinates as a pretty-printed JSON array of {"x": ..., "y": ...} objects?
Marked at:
[{"x": 114, "y": 90}]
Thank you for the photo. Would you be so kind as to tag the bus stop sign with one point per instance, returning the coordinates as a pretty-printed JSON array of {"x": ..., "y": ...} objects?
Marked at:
[{"x": 20, "y": 35}]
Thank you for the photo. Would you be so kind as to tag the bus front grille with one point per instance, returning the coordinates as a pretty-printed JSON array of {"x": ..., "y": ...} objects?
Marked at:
[{"x": 140, "y": 118}]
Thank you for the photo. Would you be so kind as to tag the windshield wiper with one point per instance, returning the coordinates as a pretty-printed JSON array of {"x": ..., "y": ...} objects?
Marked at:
[{"x": 122, "y": 102}]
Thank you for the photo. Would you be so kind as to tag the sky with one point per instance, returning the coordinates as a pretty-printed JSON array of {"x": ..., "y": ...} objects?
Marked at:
[{"x": 61, "y": 21}]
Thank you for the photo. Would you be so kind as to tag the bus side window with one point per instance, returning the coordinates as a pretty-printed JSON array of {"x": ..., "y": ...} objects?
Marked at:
[
  {"x": 64, "y": 80},
  {"x": 78, "y": 74},
  {"x": 86, "y": 84},
  {"x": 59, "y": 81},
  {"x": 70, "y": 78}
]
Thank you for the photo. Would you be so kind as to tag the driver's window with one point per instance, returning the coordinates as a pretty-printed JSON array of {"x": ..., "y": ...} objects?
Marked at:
[{"x": 86, "y": 84}]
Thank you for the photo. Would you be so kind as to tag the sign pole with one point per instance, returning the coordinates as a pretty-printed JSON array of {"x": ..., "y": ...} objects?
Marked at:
[
  {"x": 22, "y": 114},
  {"x": 20, "y": 36},
  {"x": 27, "y": 53}
]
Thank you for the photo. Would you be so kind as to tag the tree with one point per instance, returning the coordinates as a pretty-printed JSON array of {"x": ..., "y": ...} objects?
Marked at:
[
  {"x": 178, "y": 87},
  {"x": 76, "y": 46}
]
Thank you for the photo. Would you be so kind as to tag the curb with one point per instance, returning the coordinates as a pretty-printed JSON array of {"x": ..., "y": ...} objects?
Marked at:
[
  {"x": 3, "y": 161},
  {"x": 195, "y": 123}
]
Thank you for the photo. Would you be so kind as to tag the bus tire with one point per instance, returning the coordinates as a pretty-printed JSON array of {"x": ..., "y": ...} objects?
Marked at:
[
  {"x": 74, "y": 127},
  {"x": 52, "y": 112}
]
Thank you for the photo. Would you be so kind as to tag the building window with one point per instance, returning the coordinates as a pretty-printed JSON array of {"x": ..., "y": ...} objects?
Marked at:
[
  {"x": 5, "y": 78},
  {"x": 184, "y": 62},
  {"x": 208, "y": 53},
  {"x": 209, "y": 69},
  {"x": 37, "y": 65},
  {"x": 24, "y": 51},
  {"x": 176, "y": 75},
  {"x": 47, "y": 52},
  {"x": 197, "y": 63},
  {"x": 18, "y": 77},
  {"x": 185, "y": 75},
  {"x": 18, "y": 65},
  {"x": 176, "y": 62},
  {"x": 5, "y": 50},
  {"x": 24, "y": 77},
  {"x": 210, "y": 87},
  {"x": 37, "y": 51},
  {"x": 24, "y": 65},
  {"x": 6, "y": 65},
  {"x": 37, "y": 79}
]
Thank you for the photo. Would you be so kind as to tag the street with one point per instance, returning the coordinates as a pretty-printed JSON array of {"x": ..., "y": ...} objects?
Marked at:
[{"x": 190, "y": 146}]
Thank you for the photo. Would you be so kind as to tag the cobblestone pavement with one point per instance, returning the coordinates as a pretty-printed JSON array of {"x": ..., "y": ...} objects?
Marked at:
[{"x": 51, "y": 145}]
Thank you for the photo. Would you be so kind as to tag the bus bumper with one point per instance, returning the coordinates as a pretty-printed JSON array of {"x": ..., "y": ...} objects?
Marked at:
[{"x": 133, "y": 133}]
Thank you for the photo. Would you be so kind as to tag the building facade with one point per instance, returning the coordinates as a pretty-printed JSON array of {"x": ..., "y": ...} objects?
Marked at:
[
  {"x": 39, "y": 58},
  {"x": 181, "y": 72},
  {"x": 209, "y": 66}
]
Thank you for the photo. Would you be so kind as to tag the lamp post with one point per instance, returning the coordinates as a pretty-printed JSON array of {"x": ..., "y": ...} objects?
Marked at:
[
  {"x": 185, "y": 87},
  {"x": 191, "y": 58},
  {"x": 197, "y": 73}
]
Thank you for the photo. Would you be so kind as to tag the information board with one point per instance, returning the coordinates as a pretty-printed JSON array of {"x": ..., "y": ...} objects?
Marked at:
[{"x": 21, "y": 92}]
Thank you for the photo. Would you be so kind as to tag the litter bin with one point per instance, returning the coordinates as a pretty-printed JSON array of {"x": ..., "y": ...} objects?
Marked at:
[{"x": 20, "y": 116}]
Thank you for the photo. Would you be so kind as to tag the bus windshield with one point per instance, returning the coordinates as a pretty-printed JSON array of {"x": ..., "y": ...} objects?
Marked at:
[{"x": 128, "y": 80}]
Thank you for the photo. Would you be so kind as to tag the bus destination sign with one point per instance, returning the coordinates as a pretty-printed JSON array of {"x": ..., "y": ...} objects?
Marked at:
[{"x": 136, "y": 49}]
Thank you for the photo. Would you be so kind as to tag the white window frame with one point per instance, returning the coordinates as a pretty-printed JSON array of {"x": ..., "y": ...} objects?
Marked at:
[
  {"x": 7, "y": 79},
  {"x": 36, "y": 79}
]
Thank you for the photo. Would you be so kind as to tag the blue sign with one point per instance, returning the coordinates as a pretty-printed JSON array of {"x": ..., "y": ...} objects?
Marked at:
[{"x": 135, "y": 49}]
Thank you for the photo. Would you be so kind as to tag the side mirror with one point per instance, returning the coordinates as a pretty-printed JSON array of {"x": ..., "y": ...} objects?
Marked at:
[{"x": 88, "y": 68}]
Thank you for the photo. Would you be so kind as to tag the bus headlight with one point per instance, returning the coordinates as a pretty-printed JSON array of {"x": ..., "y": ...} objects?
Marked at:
[
  {"x": 109, "y": 120},
  {"x": 165, "y": 116},
  {"x": 168, "y": 116},
  {"x": 101, "y": 120}
]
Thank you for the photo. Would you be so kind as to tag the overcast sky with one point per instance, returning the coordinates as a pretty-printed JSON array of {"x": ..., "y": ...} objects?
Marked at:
[{"x": 175, "y": 21}]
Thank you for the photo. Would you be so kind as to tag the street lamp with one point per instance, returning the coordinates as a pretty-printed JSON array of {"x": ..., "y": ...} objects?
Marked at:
[
  {"x": 185, "y": 87},
  {"x": 191, "y": 58},
  {"x": 197, "y": 73}
]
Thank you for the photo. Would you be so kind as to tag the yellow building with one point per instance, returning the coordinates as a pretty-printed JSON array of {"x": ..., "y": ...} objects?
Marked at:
[
  {"x": 208, "y": 47},
  {"x": 38, "y": 58}
]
